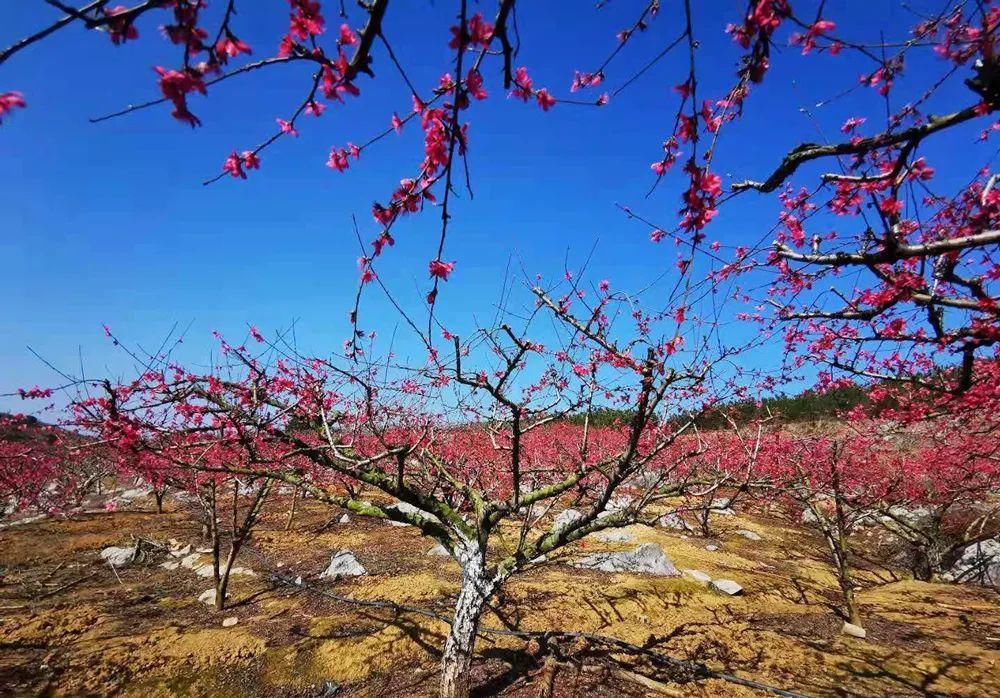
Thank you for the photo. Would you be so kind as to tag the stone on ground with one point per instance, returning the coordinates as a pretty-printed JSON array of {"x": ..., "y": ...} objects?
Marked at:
[
  {"x": 345, "y": 519},
  {"x": 566, "y": 518},
  {"x": 979, "y": 564},
  {"x": 648, "y": 558},
  {"x": 614, "y": 505},
  {"x": 439, "y": 551},
  {"x": 205, "y": 570},
  {"x": 343, "y": 563},
  {"x": 698, "y": 576},
  {"x": 749, "y": 535},
  {"x": 726, "y": 586},
  {"x": 711, "y": 548},
  {"x": 208, "y": 596},
  {"x": 854, "y": 630},
  {"x": 674, "y": 521},
  {"x": 170, "y": 565},
  {"x": 230, "y": 622},
  {"x": 191, "y": 561},
  {"x": 118, "y": 557},
  {"x": 134, "y": 493}
]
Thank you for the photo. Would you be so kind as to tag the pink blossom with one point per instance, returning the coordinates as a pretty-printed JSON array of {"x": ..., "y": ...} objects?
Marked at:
[
  {"x": 347, "y": 37},
  {"x": 287, "y": 127},
  {"x": 440, "y": 270},
  {"x": 545, "y": 100},
  {"x": 9, "y": 101}
]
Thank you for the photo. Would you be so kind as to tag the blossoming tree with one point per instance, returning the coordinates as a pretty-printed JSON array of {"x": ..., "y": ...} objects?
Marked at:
[{"x": 874, "y": 271}]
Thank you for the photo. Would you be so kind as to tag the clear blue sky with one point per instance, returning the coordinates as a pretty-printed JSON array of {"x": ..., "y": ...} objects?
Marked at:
[{"x": 109, "y": 223}]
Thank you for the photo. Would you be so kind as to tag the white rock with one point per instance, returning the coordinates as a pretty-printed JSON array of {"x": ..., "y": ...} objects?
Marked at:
[
  {"x": 205, "y": 570},
  {"x": 648, "y": 558},
  {"x": 242, "y": 572},
  {"x": 181, "y": 552},
  {"x": 208, "y": 596},
  {"x": 711, "y": 548},
  {"x": 135, "y": 493},
  {"x": 614, "y": 536},
  {"x": 614, "y": 505},
  {"x": 345, "y": 519},
  {"x": 979, "y": 563},
  {"x": 749, "y": 535},
  {"x": 439, "y": 551},
  {"x": 854, "y": 630},
  {"x": 343, "y": 563},
  {"x": 808, "y": 517},
  {"x": 674, "y": 521},
  {"x": 203, "y": 551},
  {"x": 191, "y": 561},
  {"x": 230, "y": 622},
  {"x": 726, "y": 586},
  {"x": 698, "y": 576},
  {"x": 298, "y": 581},
  {"x": 170, "y": 565},
  {"x": 566, "y": 518},
  {"x": 118, "y": 557}
]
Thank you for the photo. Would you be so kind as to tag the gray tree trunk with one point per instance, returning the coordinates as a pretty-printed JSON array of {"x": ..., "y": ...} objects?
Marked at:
[{"x": 477, "y": 587}]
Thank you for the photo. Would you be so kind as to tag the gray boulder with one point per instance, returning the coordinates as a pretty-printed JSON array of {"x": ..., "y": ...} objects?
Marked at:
[
  {"x": 698, "y": 576},
  {"x": 726, "y": 586},
  {"x": 674, "y": 521},
  {"x": 566, "y": 518},
  {"x": 118, "y": 557},
  {"x": 343, "y": 563},
  {"x": 749, "y": 535},
  {"x": 648, "y": 558},
  {"x": 614, "y": 505},
  {"x": 979, "y": 564},
  {"x": 711, "y": 548},
  {"x": 854, "y": 630},
  {"x": 439, "y": 551}
]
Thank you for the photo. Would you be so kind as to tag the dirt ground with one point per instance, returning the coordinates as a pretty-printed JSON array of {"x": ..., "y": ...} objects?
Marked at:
[{"x": 70, "y": 625}]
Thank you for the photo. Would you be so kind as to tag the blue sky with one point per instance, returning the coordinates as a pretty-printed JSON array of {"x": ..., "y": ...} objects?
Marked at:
[{"x": 109, "y": 223}]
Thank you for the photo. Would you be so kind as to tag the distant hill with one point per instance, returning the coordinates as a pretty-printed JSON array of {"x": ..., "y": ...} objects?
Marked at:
[{"x": 806, "y": 407}]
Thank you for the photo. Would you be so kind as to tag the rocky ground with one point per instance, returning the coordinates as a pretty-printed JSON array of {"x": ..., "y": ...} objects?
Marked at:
[{"x": 72, "y": 624}]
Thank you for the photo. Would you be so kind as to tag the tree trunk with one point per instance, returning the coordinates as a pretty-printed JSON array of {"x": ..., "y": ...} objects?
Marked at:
[
  {"x": 222, "y": 579},
  {"x": 291, "y": 512},
  {"x": 850, "y": 603},
  {"x": 159, "y": 495},
  {"x": 703, "y": 523},
  {"x": 457, "y": 659}
]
